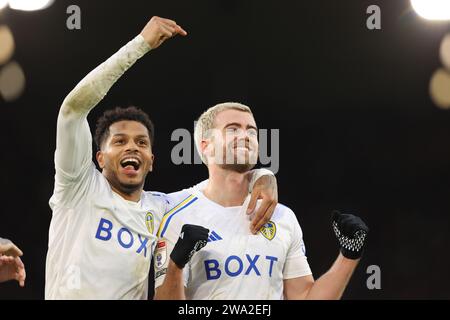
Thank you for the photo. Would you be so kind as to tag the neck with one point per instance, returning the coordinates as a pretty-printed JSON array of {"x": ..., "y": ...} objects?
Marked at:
[
  {"x": 227, "y": 188},
  {"x": 133, "y": 196}
]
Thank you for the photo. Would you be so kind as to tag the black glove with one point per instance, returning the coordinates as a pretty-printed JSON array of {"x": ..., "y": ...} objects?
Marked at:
[
  {"x": 192, "y": 239},
  {"x": 351, "y": 233}
]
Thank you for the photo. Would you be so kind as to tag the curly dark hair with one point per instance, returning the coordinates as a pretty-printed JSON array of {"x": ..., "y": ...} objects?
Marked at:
[{"x": 121, "y": 114}]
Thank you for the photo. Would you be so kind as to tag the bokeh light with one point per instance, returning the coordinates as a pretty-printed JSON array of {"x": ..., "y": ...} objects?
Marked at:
[
  {"x": 3, "y": 4},
  {"x": 7, "y": 45},
  {"x": 432, "y": 9},
  {"x": 440, "y": 88},
  {"x": 12, "y": 81},
  {"x": 445, "y": 51},
  {"x": 29, "y": 5}
]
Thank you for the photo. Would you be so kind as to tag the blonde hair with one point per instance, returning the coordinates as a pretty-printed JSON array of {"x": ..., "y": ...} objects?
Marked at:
[{"x": 207, "y": 120}]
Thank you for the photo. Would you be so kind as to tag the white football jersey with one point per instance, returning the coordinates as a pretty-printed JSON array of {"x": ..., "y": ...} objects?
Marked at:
[
  {"x": 235, "y": 264},
  {"x": 100, "y": 245}
]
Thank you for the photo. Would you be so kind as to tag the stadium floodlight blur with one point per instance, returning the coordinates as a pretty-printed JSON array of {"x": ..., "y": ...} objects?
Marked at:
[
  {"x": 432, "y": 9},
  {"x": 29, "y": 5},
  {"x": 439, "y": 11},
  {"x": 3, "y": 4},
  {"x": 12, "y": 77}
]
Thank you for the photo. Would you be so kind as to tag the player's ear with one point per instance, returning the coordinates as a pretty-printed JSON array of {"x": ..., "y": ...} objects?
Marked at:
[
  {"x": 150, "y": 169},
  {"x": 100, "y": 159},
  {"x": 206, "y": 148}
]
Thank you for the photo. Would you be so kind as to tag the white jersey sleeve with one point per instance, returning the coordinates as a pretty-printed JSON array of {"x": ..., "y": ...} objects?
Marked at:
[
  {"x": 73, "y": 156},
  {"x": 296, "y": 264}
]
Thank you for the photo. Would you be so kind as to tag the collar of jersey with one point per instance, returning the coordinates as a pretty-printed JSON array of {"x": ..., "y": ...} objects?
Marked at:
[
  {"x": 201, "y": 195},
  {"x": 136, "y": 205}
]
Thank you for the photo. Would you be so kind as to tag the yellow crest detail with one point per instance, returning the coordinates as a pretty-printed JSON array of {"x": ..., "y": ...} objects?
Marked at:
[
  {"x": 150, "y": 222},
  {"x": 269, "y": 230}
]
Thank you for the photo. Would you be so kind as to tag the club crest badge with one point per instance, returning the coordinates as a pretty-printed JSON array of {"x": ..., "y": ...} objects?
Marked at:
[
  {"x": 160, "y": 254},
  {"x": 269, "y": 230},
  {"x": 150, "y": 222}
]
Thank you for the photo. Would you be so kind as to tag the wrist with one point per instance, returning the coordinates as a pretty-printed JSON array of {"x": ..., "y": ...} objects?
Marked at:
[
  {"x": 351, "y": 255},
  {"x": 173, "y": 268},
  {"x": 258, "y": 173},
  {"x": 144, "y": 45},
  {"x": 175, "y": 265}
]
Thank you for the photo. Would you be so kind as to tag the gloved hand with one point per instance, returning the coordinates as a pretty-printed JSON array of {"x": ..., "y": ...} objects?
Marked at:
[
  {"x": 192, "y": 239},
  {"x": 351, "y": 233}
]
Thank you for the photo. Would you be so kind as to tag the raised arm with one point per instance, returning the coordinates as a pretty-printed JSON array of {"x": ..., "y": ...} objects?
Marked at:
[
  {"x": 74, "y": 141},
  {"x": 330, "y": 286},
  {"x": 351, "y": 233}
]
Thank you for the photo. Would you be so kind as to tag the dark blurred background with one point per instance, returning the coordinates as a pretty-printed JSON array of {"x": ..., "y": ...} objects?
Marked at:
[{"x": 358, "y": 128}]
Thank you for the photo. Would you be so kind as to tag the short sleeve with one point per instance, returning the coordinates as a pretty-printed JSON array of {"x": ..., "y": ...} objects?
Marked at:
[{"x": 296, "y": 264}]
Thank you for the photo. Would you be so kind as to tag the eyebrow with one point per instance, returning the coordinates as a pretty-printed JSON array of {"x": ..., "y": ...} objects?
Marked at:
[
  {"x": 125, "y": 135},
  {"x": 143, "y": 136},
  {"x": 238, "y": 125}
]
